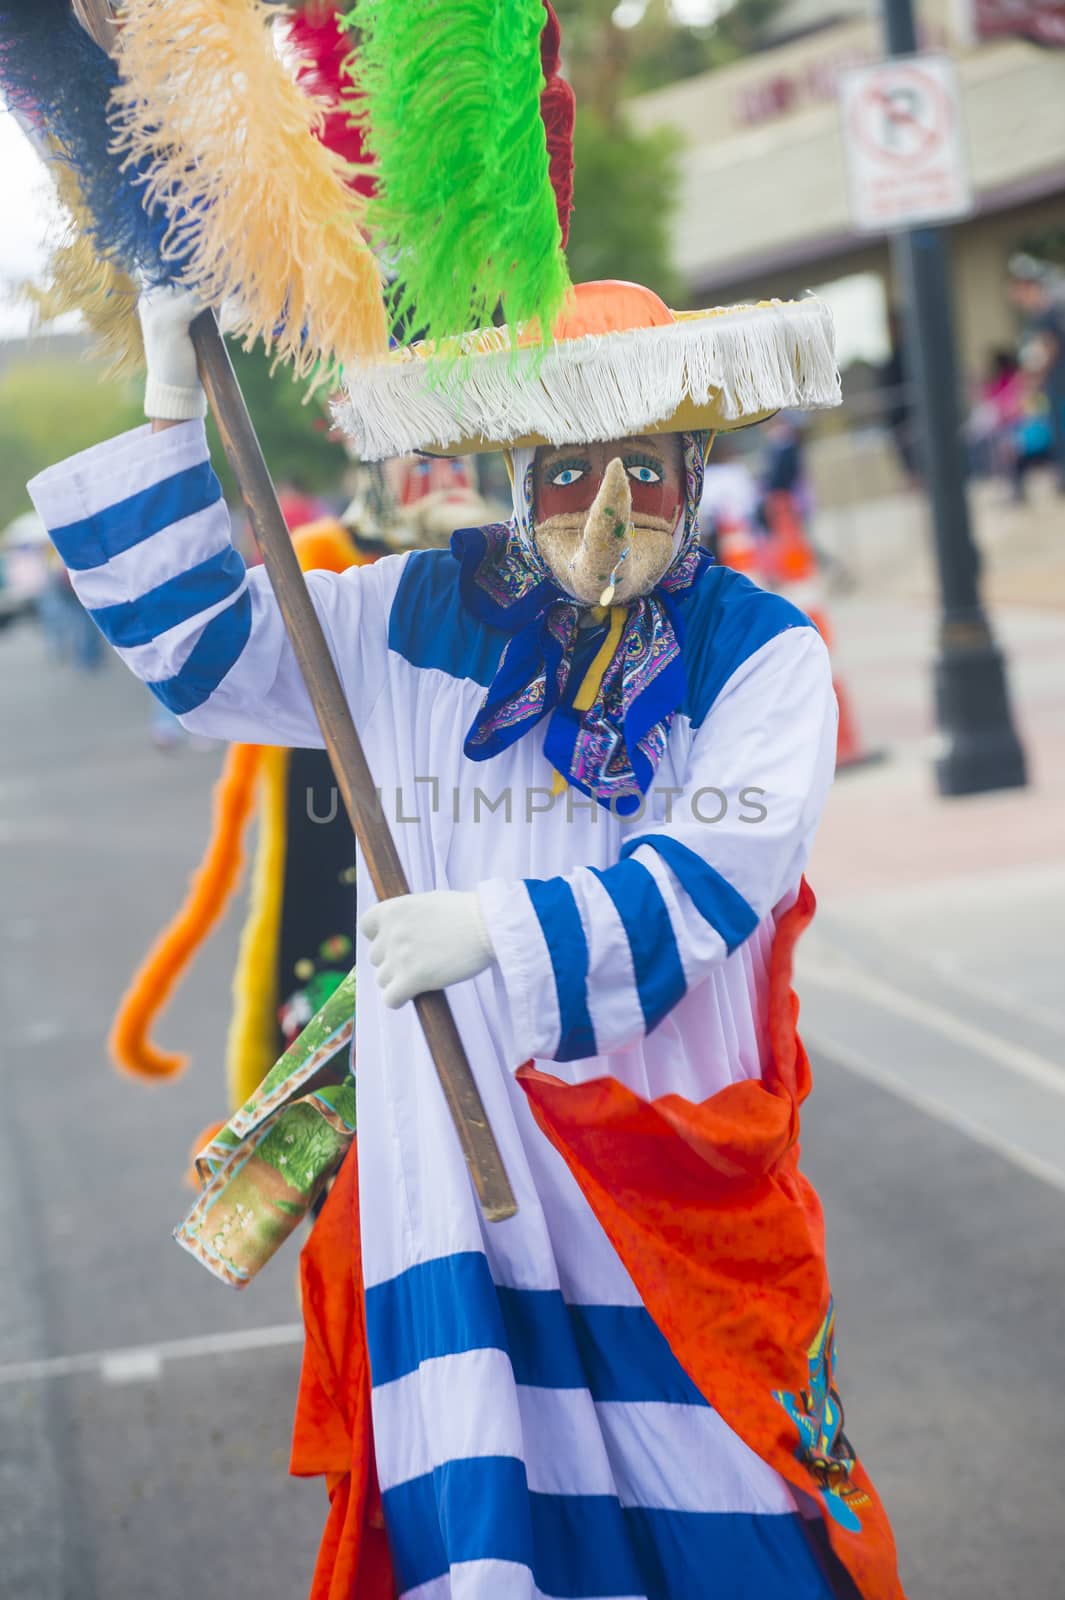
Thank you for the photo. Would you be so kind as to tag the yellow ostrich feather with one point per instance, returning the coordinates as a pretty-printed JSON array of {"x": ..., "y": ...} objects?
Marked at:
[
  {"x": 260, "y": 212},
  {"x": 75, "y": 278}
]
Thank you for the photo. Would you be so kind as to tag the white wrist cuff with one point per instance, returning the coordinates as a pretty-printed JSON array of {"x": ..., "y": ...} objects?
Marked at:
[
  {"x": 167, "y": 402},
  {"x": 487, "y": 948}
]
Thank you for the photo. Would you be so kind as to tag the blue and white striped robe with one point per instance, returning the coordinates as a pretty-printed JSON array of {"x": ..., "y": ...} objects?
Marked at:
[{"x": 535, "y": 1436}]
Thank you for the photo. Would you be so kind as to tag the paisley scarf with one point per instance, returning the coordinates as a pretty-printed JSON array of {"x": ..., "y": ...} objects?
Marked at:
[{"x": 609, "y": 748}]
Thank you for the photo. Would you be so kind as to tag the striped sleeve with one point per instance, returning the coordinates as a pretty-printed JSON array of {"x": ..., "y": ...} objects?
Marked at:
[
  {"x": 141, "y": 525},
  {"x": 595, "y": 959}
]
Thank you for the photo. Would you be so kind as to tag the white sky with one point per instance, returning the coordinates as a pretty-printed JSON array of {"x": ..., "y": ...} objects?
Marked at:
[
  {"x": 859, "y": 311},
  {"x": 26, "y": 213}
]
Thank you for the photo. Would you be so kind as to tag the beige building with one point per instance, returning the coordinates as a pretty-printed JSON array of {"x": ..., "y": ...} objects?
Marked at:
[{"x": 763, "y": 204}]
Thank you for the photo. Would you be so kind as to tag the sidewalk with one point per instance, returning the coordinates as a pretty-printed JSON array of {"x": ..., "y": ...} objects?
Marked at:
[
  {"x": 885, "y": 544},
  {"x": 933, "y": 966}
]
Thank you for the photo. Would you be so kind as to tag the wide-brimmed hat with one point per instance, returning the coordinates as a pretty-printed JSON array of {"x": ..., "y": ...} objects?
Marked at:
[{"x": 620, "y": 362}]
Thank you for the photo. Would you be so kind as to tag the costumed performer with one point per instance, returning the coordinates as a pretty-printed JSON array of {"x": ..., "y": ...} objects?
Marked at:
[{"x": 604, "y": 760}]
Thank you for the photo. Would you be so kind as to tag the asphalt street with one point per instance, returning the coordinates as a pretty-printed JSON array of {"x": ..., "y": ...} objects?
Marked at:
[
  {"x": 144, "y": 1474},
  {"x": 145, "y": 1410}
]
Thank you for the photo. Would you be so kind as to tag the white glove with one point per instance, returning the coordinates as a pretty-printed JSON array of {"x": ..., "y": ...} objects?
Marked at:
[
  {"x": 173, "y": 392},
  {"x": 420, "y": 942}
]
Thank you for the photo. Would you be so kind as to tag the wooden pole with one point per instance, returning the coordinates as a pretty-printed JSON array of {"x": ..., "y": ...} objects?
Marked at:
[
  {"x": 334, "y": 718},
  {"x": 345, "y": 749}
]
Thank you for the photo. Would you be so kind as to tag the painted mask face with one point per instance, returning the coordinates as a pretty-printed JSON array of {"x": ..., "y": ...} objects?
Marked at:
[
  {"x": 432, "y": 497},
  {"x": 415, "y": 478},
  {"x": 607, "y": 515}
]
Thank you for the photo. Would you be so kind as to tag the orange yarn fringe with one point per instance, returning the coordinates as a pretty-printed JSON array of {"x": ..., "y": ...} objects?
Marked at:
[
  {"x": 259, "y": 207},
  {"x": 212, "y": 885}
]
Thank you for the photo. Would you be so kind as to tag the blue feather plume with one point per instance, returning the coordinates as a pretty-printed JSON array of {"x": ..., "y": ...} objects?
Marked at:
[{"x": 56, "y": 77}]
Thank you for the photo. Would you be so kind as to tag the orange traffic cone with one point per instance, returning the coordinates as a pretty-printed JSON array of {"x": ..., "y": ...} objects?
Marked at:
[
  {"x": 738, "y": 548},
  {"x": 796, "y": 574},
  {"x": 791, "y": 563},
  {"x": 850, "y": 751}
]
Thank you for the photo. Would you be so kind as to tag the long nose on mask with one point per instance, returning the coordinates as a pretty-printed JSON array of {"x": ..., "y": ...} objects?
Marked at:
[{"x": 606, "y": 541}]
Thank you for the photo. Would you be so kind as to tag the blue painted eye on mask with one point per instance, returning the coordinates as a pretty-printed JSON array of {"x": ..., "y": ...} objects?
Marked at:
[
  {"x": 643, "y": 469},
  {"x": 564, "y": 476}
]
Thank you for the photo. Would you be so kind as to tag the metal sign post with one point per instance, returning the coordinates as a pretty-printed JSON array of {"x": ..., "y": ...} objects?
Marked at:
[{"x": 916, "y": 128}]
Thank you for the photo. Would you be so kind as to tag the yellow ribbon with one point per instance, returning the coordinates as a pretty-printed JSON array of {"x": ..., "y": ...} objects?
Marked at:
[{"x": 584, "y": 699}]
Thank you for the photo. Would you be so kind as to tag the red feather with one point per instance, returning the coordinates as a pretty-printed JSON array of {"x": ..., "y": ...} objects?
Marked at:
[
  {"x": 558, "y": 108},
  {"x": 323, "y": 47}
]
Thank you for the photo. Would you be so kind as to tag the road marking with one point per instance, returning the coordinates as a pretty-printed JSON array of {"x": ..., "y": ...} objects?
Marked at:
[
  {"x": 132, "y": 1366},
  {"x": 862, "y": 985},
  {"x": 62, "y": 834},
  {"x": 130, "y": 741},
  {"x": 144, "y": 1363},
  {"x": 38, "y": 832},
  {"x": 1005, "y": 999},
  {"x": 862, "y": 1067},
  {"x": 39, "y": 1032}
]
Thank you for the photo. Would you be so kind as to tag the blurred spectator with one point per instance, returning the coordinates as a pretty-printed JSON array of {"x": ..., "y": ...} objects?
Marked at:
[
  {"x": 994, "y": 425},
  {"x": 783, "y": 467},
  {"x": 24, "y": 562},
  {"x": 1035, "y": 291},
  {"x": 728, "y": 511},
  {"x": 298, "y": 507},
  {"x": 70, "y": 631},
  {"x": 897, "y": 401}
]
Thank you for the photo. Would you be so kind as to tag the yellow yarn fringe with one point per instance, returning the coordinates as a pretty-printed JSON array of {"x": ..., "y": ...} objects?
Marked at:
[
  {"x": 251, "y": 1046},
  {"x": 75, "y": 278},
  {"x": 212, "y": 885},
  {"x": 260, "y": 212}
]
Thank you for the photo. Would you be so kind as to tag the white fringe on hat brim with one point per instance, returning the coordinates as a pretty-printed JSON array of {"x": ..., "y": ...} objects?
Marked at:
[{"x": 748, "y": 361}]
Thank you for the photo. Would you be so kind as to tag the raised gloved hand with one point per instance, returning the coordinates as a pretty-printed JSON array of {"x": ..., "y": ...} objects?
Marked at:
[
  {"x": 420, "y": 942},
  {"x": 173, "y": 392}
]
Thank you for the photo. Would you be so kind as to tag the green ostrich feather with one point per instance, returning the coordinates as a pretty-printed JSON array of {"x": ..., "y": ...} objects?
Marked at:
[{"x": 449, "y": 95}]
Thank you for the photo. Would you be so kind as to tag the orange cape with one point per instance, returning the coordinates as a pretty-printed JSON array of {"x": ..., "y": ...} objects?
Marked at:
[{"x": 724, "y": 1239}]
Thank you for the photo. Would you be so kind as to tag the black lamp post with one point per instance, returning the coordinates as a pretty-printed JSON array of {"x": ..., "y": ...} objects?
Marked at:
[{"x": 981, "y": 749}]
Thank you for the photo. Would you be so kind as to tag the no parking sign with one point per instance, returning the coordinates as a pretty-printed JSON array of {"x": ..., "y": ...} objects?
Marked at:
[{"x": 903, "y": 136}]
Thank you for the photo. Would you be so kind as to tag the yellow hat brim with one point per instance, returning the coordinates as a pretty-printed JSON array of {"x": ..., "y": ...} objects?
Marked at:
[{"x": 688, "y": 418}]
